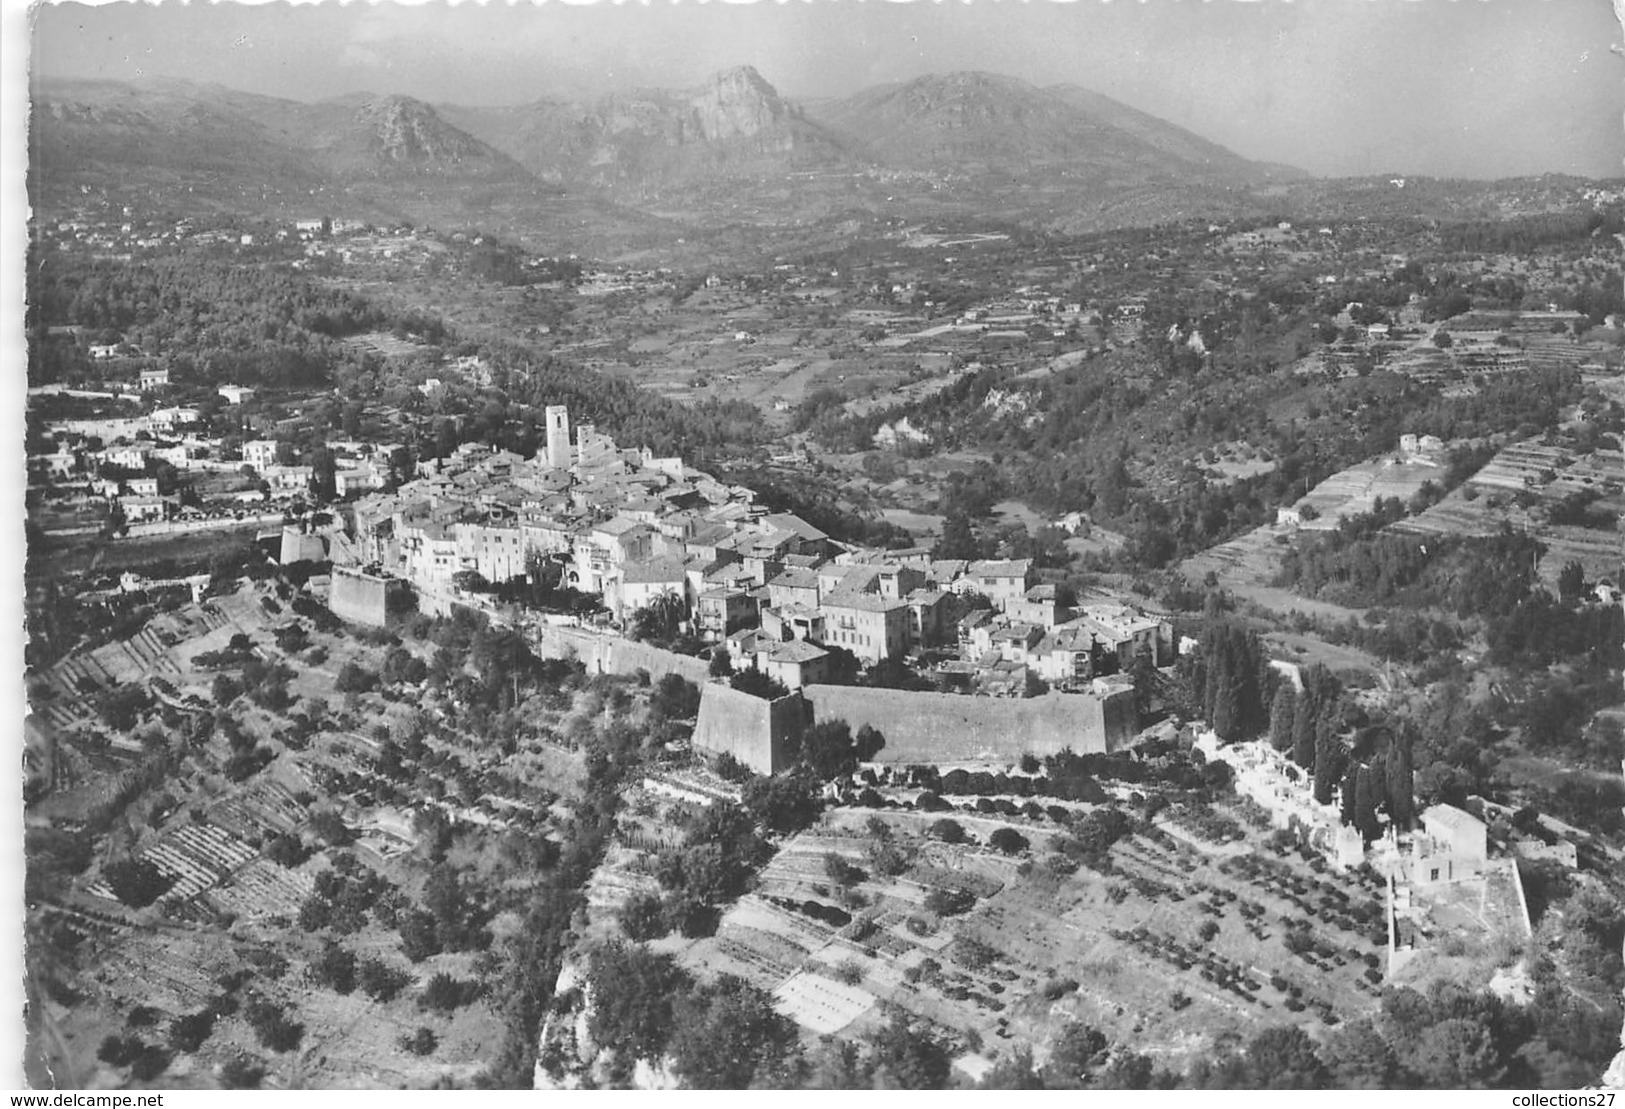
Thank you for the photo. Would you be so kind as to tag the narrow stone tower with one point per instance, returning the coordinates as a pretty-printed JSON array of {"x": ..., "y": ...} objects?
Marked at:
[{"x": 558, "y": 437}]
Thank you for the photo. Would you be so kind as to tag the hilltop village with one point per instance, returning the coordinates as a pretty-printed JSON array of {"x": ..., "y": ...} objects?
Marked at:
[{"x": 678, "y": 557}]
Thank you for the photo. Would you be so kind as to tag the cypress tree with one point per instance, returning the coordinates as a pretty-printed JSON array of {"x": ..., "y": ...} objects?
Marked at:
[
  {"x": 1303, "y": 731},
  {"x": 1365, "y": 804},
  {"x": 1346, "y": 812},
  {"x": 1252, "y": 668},
  {"x": 1400, "y": 787},
  {"x": 1225, "y": 717},
  {"x": 1281, "y": 713},
  {"x": 1328, "y": 757},
  {"x": 1215, "y": 676}
]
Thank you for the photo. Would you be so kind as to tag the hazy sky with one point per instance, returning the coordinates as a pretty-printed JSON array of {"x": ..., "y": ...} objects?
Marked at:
[{"x": 1479, "y": 88}]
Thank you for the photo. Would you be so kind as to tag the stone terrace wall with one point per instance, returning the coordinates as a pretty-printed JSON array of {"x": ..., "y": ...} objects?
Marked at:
[{"x": 945, "y": 727}]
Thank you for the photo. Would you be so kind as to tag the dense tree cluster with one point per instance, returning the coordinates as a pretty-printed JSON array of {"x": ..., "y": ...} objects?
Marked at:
[
  {"x": 726, "y": 1034},
  {"x": 1467, "y": 576},
  {"x": 1228, "y": 678}
]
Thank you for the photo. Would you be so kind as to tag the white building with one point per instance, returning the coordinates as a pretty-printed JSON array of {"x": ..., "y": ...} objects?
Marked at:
[
  {"x": 1452, "y": 846},
  {"x": 170, "y": 418},
  {"x": 636, "y": 585},
  {"x": 496, "y": 551},
  {"x": 130, "y": 457},
  {"x": 287, "y": 479},
  {"x": 141, "y": 509},
  {"x": 260, "y": 453},
  {"x": 362, "y": 479}
]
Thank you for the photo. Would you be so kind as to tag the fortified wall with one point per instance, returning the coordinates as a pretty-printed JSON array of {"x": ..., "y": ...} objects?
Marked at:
[
  {"x": 946, "y": 727},
  {"x": 756, "y": 732},
  {"x": 357, "y": 597},
  {"x": 298, "y": 545},
  {"x": 919, "y": 727},
  {"x": 609, "y": 654}
]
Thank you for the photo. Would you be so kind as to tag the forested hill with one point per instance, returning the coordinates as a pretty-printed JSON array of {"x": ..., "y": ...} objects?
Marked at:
[
  {"x": 267, "y": 325},
  {"x": 1122, "y": 444}
]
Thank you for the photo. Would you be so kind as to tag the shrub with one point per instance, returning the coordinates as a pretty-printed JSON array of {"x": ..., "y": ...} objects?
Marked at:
[
  {"x": 730, "y": 769},
  {"x": 887, "y": 858},
  {"x": 149, "y": 1062},
  {"x": 1008, "y": 841},
  {"x": 331, "y": 828},
  {"x": 241, "y": 1072},
  {"x": 379, "y": 980},
  {"x": 1057, "y": 988},
  {"x": 335, "y": 969},
  {"x": 841, "y": 872},
  {"x": 446, "y": 994},
  {"x": 421, "y": 1042},
  {"x": 950, "y": 902},
  {"x": 136, "y": 882},
  {"x": 116, "y": 1051},
  {"x": 272, "y": 1025},
  {"x": 286, "y": 849},
  {"x": 643, "y": 917},
  {"x": 972, "y": 953},
  {"x": 354, "y": 679},
  {"x": 187, "y": 1034},
  {"x": 948, "y": 831}
]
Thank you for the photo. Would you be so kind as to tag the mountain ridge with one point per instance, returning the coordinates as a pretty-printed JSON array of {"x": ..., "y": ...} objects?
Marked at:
[{"x": 729, "y": 148}]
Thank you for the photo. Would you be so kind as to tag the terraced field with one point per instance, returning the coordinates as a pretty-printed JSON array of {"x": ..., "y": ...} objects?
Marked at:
[{"x": 1124, "y": 950}]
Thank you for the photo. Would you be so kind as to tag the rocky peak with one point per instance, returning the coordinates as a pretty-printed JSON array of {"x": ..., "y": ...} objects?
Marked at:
[
  {"x": 404, "y": 130},
  {"x": 737, "y": 103}
]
